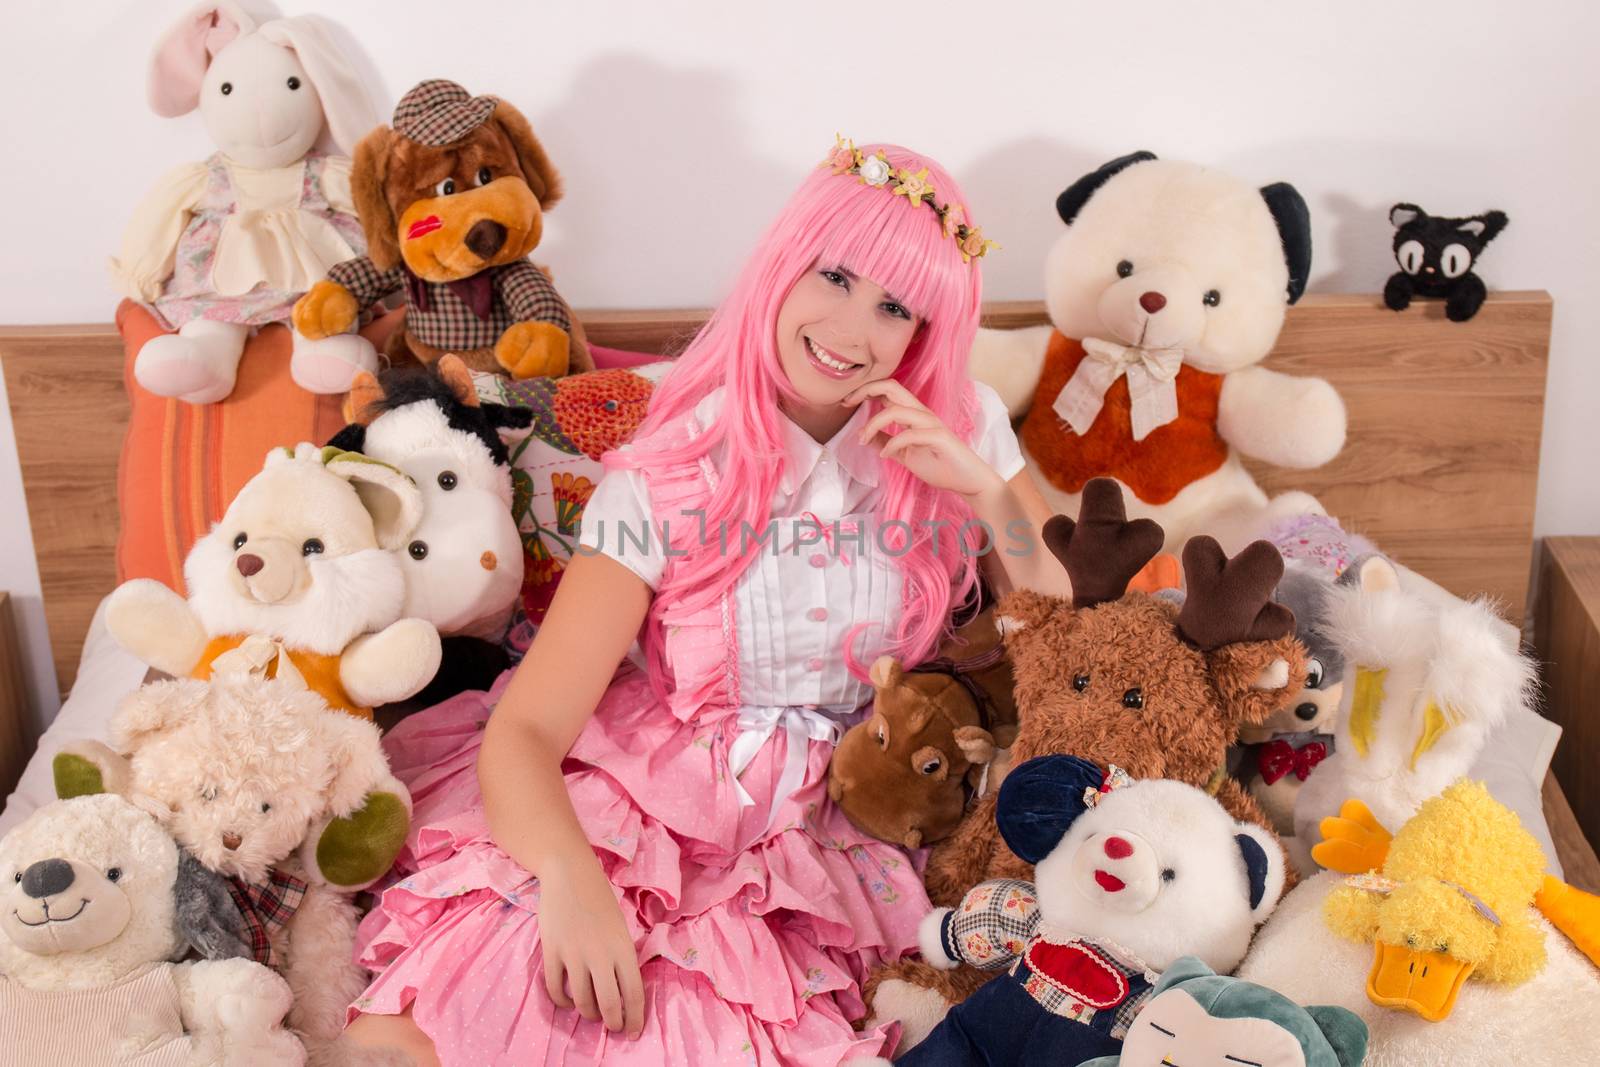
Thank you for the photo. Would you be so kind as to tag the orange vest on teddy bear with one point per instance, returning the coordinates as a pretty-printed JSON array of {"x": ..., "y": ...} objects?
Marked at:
[
  {"x": 320, "y": 672},
  {"x": 1155, "y": 469}
]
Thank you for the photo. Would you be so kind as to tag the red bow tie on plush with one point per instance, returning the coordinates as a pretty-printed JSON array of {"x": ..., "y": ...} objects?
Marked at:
[{"x": 1278, "y": 758}]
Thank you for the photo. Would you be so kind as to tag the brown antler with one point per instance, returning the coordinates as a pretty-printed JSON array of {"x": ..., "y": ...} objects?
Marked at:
[
  {"x": 1230, "y": 600},
  {"x": 1102, "y": 551}
]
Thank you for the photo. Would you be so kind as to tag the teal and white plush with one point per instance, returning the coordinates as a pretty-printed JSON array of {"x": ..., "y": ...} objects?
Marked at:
[{"x": 1199, "y": 1018}]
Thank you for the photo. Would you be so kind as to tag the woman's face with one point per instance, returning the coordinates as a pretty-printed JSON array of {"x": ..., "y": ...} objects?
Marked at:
[{"x": 837, "y": 332}]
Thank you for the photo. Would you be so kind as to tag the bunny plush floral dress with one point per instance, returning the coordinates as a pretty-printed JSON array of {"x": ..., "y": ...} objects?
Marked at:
[{"x": 756, "y": 908}]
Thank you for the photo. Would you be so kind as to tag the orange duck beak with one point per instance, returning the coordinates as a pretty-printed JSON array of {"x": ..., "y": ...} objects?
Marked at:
[{"x": 1426, "y": 983}]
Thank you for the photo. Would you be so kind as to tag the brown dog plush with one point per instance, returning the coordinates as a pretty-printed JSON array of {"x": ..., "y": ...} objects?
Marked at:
[
  {"x": 1119, "y": 678},
  {"x": 452, "y": 201},
  {"x": 906, "y": 774}
]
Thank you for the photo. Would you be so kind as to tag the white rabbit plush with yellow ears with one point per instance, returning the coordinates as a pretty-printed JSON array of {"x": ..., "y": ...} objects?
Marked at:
[{"x": 225, "y": 245}]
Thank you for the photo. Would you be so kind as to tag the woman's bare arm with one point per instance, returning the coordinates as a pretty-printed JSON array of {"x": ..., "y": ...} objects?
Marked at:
[
  {"x": 595, "y": 616},
  {"x": 1016, "y": 511}
]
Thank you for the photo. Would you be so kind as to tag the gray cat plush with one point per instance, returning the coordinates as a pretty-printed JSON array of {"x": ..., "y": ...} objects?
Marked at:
[{"x": 1197, "y": 1016}]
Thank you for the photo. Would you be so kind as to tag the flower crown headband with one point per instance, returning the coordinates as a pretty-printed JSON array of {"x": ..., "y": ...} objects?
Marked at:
[{"x": 875, "y": 170}]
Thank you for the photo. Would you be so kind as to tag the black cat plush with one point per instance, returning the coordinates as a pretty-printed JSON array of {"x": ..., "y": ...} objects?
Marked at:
[{"x": 1436, "y": 257}]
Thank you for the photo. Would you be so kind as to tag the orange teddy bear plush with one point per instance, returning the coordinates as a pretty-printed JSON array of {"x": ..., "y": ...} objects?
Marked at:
[{"x": 452, "y": 201}]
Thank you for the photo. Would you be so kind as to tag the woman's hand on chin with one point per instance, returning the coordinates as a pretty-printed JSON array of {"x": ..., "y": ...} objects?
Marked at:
[{"x": 924, "y": 445}]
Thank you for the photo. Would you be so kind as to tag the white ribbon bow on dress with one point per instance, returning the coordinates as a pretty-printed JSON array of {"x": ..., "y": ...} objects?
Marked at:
[
  {"x": 756, "y": 725},
  {"x": 1151, "y": 376}
]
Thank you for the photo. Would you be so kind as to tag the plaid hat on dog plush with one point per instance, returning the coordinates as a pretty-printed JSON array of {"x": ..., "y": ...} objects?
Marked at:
[{"x": 439, "y": 112}]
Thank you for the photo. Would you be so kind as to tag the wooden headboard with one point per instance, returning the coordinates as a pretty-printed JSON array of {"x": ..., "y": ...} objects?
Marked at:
[{"x": 1440, "y": 468}]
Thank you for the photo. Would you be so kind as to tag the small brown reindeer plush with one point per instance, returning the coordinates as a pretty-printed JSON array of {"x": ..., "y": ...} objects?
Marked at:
[{"x": 1124, "y": 679}]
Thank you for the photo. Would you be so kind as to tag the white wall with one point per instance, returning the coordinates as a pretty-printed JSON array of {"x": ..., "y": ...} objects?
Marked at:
[{"x": 680, "y": 128}]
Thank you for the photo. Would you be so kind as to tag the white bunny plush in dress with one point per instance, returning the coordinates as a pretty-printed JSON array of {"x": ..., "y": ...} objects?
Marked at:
[{"x": 225, "y": 245}]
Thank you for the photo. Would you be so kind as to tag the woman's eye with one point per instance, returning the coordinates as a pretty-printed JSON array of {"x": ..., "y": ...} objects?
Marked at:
[
  {"x": 896, "y": 310},
  {"x": 1124, "y": 268},
  {"x": 1080, "y": 682},
  {"x": 312, "y": 547},
  {"x": 446, "y": 187},
  {"x": 833, "y": 277},
  {"x": 240, "y": 539},
  {"x": 484, "y": 177}
]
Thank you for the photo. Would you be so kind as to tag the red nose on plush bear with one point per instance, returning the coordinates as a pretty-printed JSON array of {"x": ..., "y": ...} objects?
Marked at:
[
  {"x": 1118, "y": 849},
  {"x": 1152, "y": 302},
  {"x": 249, "y": 564}
]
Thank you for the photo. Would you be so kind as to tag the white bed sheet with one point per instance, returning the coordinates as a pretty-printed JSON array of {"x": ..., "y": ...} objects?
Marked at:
[{"x": 106, "y": 674}]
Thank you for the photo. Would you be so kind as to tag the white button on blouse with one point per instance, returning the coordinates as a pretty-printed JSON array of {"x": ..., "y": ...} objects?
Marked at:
[{"x": 803, "y": 592}]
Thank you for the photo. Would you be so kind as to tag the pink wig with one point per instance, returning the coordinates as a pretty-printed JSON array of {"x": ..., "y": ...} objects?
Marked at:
[{"x": 832, "y": 220}]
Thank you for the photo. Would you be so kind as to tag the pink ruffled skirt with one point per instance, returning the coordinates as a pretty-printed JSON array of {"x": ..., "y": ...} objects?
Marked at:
[{"x": 753, "y": 940}]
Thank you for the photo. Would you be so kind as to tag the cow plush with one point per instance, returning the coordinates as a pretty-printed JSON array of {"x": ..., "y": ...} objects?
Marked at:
[{"x": 463, "y": 563}]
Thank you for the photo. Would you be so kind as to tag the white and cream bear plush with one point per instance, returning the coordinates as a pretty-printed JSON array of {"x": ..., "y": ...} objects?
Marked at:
[
  {"x": 93, "y": 894},
  {"x": 292, "y": 803},
  {"x": 1129, "y": 876},
  {"x": 1165, "y": 294},
  {"x": 304, "y": 556}
]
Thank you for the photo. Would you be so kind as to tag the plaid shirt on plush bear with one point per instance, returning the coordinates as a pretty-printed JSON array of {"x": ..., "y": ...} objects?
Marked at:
[
  {"x": 464, "y": 315},
  {"x": 997, "y": 924}
]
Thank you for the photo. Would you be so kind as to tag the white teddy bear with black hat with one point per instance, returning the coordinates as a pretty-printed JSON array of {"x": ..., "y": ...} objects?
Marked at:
[
  {"x": 1129, "y": 877},
  {"x": 95, "y": 902}
]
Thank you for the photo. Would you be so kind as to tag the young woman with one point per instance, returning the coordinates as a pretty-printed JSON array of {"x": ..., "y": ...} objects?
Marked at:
[{"x": 643, "y": 866}]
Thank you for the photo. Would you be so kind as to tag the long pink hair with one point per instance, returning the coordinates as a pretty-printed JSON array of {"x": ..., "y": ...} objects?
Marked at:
[{"x": 831, "y": 220}]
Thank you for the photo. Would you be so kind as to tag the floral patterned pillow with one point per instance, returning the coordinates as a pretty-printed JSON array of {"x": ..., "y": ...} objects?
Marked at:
[{"x": 556, "y": 465}]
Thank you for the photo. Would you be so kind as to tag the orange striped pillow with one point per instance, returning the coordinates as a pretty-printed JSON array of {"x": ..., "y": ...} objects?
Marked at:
[{"x": 182, "y": 464}]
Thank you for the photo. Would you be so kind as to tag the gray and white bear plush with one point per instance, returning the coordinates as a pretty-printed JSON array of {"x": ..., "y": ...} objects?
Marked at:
[
  {"x": 1130, "y": 876},
  {"x": 96, "y": 902}
]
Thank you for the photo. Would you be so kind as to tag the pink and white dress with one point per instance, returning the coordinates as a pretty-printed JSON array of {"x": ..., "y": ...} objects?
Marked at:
[{"x": 756, "y": 908}]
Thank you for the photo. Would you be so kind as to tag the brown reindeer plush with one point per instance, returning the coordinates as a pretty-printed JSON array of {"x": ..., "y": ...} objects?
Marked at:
[{"x": 1120, "y": 678}]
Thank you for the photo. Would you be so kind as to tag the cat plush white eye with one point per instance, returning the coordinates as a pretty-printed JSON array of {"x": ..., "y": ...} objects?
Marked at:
[
  {"x": 1455, "y": 259},
  {"x": 1410, "y": 256}
]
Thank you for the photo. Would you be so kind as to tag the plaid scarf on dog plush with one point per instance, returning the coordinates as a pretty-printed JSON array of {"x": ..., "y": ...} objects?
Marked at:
[{"x": 266, "y": 908}]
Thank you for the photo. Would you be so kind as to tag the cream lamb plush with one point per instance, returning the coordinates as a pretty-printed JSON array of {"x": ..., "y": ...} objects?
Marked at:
[
  {"x": 92, "y": 894},
  {"x": 1165, "y": 294},
  {"x": 291, "y": 802},
  {"x": 304, "y": 556}
]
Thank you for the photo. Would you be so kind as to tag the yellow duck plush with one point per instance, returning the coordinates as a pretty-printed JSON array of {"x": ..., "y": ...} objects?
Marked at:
[{"x": 1451, "y": 896}]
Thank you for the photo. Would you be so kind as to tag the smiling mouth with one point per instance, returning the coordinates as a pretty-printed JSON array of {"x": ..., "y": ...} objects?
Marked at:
[
  {"x": 84, "y": 903},
  {"x": 828, "y": 362},
  {"x": 1109, "y": 882}
]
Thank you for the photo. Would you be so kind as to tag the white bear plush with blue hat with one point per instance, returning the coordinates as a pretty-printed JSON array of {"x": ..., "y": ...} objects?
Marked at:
[
  {"x": 1129, "y": 877},
  {"x": 1199, "y": 1018}
]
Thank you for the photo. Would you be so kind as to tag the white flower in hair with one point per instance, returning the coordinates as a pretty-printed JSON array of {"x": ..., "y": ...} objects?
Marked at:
[{"x": 875, "y": 170}]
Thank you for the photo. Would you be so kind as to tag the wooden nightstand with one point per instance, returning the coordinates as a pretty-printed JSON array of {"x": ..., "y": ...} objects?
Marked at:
[
  {"x": 1567, "y": 636},
  {"x": 17, "y": 735}
]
